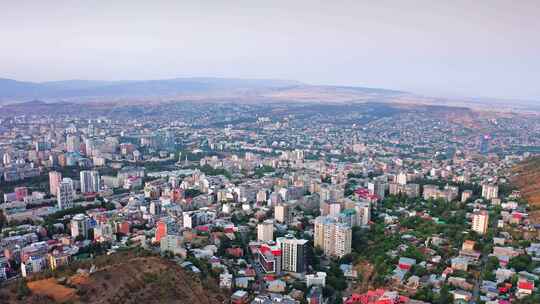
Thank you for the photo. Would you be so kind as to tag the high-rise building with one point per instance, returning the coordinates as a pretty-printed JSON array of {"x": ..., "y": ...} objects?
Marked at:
[
  {"x": 265, "y": 231},
  {"x": 171, "y": 243},
  {"x": 54, "y": 181},
  {"x": 377, "y": 188},
  {"x": 410, "y": 190},
  {"x": 363, "y": 212},
  {"x": 90, "y": 181},
  {"x": 334, "y": 209},
  {"x": 164, "y": 227},
  {"x": 293, "y": 254},
  {"x": 89, "y": 146},
  {"x": 79, "y": 226},
  {"x": 343, "y": 239},
  {"x": 65, "y": 194},
  {"x": 332, "y": 237},
  {"x": 480, "y": 222},
  {"x": 449, "y": 193},
  {"x": 490, "y": 191},
  {"x": 281, "y": 213},
  {"x": 401, "y": 178},
  {"x": 73, "y": 143},
  {"x": 6, "y": 159}
]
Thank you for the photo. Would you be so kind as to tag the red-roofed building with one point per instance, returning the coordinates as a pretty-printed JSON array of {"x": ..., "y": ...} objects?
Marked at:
[
  {"x": 379, "y": 296},
  {"x": 269, "y": 257},
  {"x": 524, "y": 287},
  {"x": 364, "y": 194}
]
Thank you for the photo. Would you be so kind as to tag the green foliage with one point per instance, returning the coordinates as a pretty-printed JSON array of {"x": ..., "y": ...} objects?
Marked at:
[
  {"x": 350, "y": 186},
  {"x": 203, "y": 265},
  {"x": 261, "y": 171},
  {"x": 444, "y": 296},
  {"x": 190, "y": 193},
  {"x": 335, "y": 277},
  {"x": 491, "y": 265},
  {"x": 413, "y": 253},
  {"x": 418, "y": 270},
  {"x": 521, "y": 262},
  {"x": 532, "y": 299},
  {"x": 208, "y": 170},
  {"x": 425, "y": 294},
  {"x": 95, "y": 249}
]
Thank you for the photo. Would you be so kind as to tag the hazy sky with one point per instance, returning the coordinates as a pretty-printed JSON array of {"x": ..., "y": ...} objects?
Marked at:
[{"x": 459, "y": 48}]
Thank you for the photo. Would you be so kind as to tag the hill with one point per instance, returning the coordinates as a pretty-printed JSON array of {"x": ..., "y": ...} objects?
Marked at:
[
  {"x": 527, "y": 180},
  {"x": 124, "y": 277}
]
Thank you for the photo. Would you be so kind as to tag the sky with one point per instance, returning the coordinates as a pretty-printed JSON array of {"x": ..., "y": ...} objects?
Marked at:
[{"x": 481, "y": 48}]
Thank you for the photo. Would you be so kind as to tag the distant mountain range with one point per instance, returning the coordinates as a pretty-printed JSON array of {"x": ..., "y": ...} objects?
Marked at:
[
  {"x": 13, "y": 90},
  {"x": 229, "y": 90}
]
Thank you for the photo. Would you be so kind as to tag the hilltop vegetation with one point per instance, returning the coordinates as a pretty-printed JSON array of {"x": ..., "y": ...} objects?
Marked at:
[{"x": 126, "y": 277}]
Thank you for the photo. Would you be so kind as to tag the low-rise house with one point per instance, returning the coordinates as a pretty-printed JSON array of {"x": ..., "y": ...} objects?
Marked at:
[
  {"x": 503, "y": 274},
  {"x": 460, "y": 263},
  {"x": 461, "y": 295},
  {"x": 317, "y": 279},
  {"x": 524, "y": 288},
  {"x": 348, "y": 271},
  {"x": 225, "y": 280},
  {"x": 240, "y": 297},
  {"x": 276, "y": 286}
]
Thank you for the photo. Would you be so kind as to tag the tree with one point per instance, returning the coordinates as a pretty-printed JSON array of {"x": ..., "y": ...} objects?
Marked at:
[
  {"x": 425, "y": 294},
  {"x": 520, "y": 263},
  {"x": 445, "y": 296},
  {"x": 413, "y": 253}
]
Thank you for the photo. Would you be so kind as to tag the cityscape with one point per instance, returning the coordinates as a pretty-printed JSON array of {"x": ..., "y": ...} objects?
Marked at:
[
  {"x": 285, "y": 152},
  {"x": 360, "y": 203}
]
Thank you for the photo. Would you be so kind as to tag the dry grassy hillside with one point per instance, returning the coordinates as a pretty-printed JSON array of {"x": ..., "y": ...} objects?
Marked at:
[
  {"x": 121, "y": 278},
  {"x": 527, "y": 179}
]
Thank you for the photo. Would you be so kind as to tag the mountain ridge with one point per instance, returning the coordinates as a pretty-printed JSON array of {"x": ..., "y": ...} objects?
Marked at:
[{"x": 16, "y": 91}]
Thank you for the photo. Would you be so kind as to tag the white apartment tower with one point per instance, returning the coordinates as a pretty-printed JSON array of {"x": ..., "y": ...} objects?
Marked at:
[
  {"x": 66, "y": 194},
  {"x": 490, "y": 191},
  {"x": 79, "y": 226},
  {"x": 293, "y": 254},
  {"x": 401, "y": 178},
  {"x": 480, "y": 222},
  {"x": 265, "y": 231},
  {"x": 90, "y": 181}
]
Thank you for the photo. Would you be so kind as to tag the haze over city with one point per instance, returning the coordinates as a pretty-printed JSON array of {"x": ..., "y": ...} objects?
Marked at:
[
  {"x": 269, "y": 152},
  {"x": 439, "y": 48}
]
